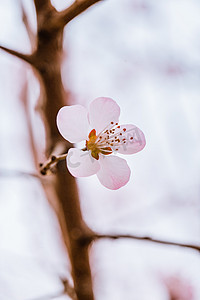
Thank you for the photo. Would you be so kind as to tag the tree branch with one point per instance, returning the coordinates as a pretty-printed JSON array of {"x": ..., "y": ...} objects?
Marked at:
[
  {"x": 51, "y": 162},
  {"x": 73, "y": 11},
  {"x": 47, "y": 60},
  {"x": 25, "y": 57},
  {"x": 30, "y": 33},
  {"x": 17, "y": 173},
  {"x": 41, "y": 5},
  {"x": 69, "y": 290},
  {"x": 143, "y": 238}
]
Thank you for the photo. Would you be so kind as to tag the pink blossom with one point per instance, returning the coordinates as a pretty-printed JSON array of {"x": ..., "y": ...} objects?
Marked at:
[{"x": 103, "y": 136}]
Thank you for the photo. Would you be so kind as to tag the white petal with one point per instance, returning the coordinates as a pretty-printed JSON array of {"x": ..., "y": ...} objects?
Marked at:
[
  {"x": 72, "y": 122},
  {"x": 81, "y": 163},
  {"x": 114, "y": 172},
  {"x": 102, "y": 112},
  {"x": 135, "y": 139}
]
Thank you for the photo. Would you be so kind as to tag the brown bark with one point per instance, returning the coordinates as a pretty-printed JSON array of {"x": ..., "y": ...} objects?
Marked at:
[{"x": 47, "y": 60}]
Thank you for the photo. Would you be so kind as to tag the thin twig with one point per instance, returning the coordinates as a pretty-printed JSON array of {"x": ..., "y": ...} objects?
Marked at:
[
  {"x": 143, "y": 238},
  {"x": 69, "y": 290},
  {"x": 25, "y": 57},
  {"x": 51, "y": 162},
  {"x": 73, "y": 11},
  {"x": 54, "y": 159}
]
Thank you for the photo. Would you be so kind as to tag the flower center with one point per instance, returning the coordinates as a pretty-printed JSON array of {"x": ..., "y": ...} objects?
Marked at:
[{"x": 107, "y": 141}]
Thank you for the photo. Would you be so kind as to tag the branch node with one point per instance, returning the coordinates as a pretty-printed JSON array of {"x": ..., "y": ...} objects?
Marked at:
[
  {"x": 53, "y": 158},
  {"x": 49, "y": 164}
]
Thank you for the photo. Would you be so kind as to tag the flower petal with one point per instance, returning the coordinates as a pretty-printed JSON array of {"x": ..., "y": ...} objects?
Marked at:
[
  {"x": 102, "y": 112},
  {"x": 114, "y": 172},
  {"x": 72, "y": 122},
  {"x": 81, "y": 163},
  {"x": 134, "y": 139}
]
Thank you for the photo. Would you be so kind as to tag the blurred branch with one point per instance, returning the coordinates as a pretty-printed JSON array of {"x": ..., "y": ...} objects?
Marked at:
[
  {"x": 27, "y": 58},
  {"x": 142, "y": 238},
  {"x": 69, "y": 290},
  {"x": 15, "y": 173},
  {"x": 27, "y": 25},
  {"x": 24, "y": 98},
  {"x": 73, "y": 11}
]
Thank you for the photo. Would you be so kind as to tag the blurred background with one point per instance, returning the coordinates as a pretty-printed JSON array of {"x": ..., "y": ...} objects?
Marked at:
[{"x": 145, "y": 55}]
